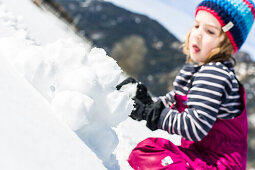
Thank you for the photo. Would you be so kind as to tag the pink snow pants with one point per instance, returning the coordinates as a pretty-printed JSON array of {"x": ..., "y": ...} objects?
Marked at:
[{"x": 225, "y": 147}]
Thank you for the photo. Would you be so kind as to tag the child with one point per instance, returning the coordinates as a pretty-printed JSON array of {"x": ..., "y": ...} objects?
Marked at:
[{"x": 207, "y": 105}]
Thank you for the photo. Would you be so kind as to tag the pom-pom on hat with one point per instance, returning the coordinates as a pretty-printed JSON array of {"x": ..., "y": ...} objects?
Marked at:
[{"x": 235, "y": 16}]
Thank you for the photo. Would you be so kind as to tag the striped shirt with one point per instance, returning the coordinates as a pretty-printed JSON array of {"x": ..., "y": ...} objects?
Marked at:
[{"x": 212, "y": 91}]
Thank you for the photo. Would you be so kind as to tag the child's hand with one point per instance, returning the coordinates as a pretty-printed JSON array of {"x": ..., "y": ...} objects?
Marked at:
[
  {"x": 138, "y": 111},
  {"x": 125, "y": 82},
  {"x": 153, "y": 112},
  {"x": 149, "y": 112},
  {"x": 141, "y": 92}
]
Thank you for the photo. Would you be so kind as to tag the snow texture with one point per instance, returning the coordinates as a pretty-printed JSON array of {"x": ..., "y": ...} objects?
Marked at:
[
  {"x": 31, "y": 136},
  {"x": 59, "y": 105}
]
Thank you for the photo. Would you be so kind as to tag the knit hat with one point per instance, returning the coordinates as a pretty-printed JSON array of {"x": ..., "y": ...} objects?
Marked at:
[{"x": 235, "y": 16}]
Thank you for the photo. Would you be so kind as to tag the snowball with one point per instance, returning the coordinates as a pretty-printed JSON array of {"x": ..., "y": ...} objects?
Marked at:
[
  {"x": 107, "y": 77},
  {"x": 130, "y": 88},
  {"x": 74, "y": 108},
  {"x": 120, "y": 106},
  {"x": 66, "y": 54},
  {"x": 83, "y": 80},
  {"x": 109, "y": 74},
  {"x": 96, "y": 55}
]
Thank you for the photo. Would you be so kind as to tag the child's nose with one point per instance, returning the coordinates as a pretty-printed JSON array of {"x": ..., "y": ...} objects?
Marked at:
[{"x": 198, "y": 34}]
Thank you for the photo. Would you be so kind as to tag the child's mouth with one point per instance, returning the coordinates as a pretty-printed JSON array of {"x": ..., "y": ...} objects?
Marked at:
[{"x": 195, "y": 48}]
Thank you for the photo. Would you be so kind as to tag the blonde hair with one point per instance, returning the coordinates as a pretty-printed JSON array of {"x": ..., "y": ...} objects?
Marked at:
[{"x": 223, "y": 52}]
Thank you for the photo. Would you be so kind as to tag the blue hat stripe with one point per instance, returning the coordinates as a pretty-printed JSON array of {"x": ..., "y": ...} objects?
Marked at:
[
  {"x": 220, "y": 8},
  {"x": 239, "y": 8},
  {"x": 242, "y": 12},
  {"x": 235, "y": 16},
  {"x": 246, "y": 15}
]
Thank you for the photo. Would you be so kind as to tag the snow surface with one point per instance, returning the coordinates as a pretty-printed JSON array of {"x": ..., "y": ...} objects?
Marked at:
[
  {"x": 176, "y": 16},
  {"x": 59, "y": 106},
  {"x": 31, "y": 136},
  {"x": 37, "y": 22}
]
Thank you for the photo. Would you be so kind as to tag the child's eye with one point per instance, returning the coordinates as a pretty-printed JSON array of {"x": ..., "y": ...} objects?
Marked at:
[
  {"x": 210, "y": 32},
  {"x": 196, "y": 26}
]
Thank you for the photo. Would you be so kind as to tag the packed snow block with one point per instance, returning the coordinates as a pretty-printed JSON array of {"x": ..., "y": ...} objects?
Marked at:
[
  {"x": 105, "y": 67},
  {"x": 43, "y": 66},
  {"x": 117, "y": 103},
  {"x": 82, "y": 80},
  {"x": 80, "y": 88},
  {"x": 77, "y": 104},
  {"x": 94, "y": 81},
  {"x": 31, "y": 136}
]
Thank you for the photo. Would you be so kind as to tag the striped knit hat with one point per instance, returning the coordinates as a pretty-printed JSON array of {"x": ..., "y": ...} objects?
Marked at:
[{"x": 235, "y": 16}]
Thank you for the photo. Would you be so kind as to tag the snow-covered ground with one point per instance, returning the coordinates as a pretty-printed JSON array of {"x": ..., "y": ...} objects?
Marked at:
[
  {"x": 59, "y": 106},
  {"x": 31, "y": 137},
  {"x": 42, "y": 26},
  {"x": 176, "y": 16}
]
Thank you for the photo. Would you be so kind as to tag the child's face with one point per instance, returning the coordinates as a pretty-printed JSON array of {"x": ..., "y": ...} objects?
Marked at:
[{"x": 204, "y": 36}]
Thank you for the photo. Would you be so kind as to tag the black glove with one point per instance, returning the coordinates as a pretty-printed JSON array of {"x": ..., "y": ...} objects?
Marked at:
[
  {"x": 141, "y": 91},
  {"x": 126, "y": 81},
  {"x": 138, "y": 112},
  {"x": 149, "y": 112},
  {"x": 153, "y": 112}
]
